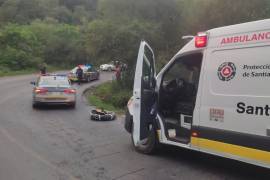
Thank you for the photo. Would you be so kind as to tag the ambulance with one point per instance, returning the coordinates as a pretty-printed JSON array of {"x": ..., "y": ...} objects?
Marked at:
[{"x": 213, "y": 96}]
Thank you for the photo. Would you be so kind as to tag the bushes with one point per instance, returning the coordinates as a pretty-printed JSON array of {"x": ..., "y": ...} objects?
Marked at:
[
  {"x": 27, "y": 46},
  {"x": 68, "y": 32},
  {"x": 113, "y": 94},
  {"x": 110, "y": 94},
  {"x": 120, "y": 98},
  {"x": 18, "y": 48}
]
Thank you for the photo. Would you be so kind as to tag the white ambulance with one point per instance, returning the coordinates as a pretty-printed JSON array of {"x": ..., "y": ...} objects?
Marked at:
[{"x": 213, "y": 96}]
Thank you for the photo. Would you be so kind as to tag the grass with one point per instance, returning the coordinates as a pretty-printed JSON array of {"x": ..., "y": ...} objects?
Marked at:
[
  {"x": 109, "y": 96},
  {"x": 97, "y": 102}
]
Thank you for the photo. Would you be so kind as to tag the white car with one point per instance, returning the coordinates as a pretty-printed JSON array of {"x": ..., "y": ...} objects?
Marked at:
[{"x": 107, "y": 67}]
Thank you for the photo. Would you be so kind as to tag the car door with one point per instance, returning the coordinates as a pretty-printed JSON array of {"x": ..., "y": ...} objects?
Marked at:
[
  {"x": 143, "y": 93},
  {"x": 90, "y": 74},
  {"x": 94, "y": 74}
]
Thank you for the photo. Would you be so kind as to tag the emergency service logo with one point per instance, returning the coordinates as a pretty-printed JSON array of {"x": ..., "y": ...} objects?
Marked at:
[{"x": 226, "y": 71}]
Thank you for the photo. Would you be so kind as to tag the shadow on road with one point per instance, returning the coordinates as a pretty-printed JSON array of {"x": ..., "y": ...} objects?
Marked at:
[
  {"x": 211, "y": 163},
  {"x": 52, "y": 107}
]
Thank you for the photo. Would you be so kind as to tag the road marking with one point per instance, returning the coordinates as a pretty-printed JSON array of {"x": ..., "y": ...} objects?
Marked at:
[{"x": 35, "y": 155}]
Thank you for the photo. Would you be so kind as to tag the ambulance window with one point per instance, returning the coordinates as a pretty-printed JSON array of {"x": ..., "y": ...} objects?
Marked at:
[
  {"x": 178, "y": 70},
  {"x": 185, "y": 68},
  {"x": 179, "y": 86},
  {"x": 148, "y": 69}
]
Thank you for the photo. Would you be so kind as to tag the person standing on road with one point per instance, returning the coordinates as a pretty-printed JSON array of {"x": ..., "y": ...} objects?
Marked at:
[
  {"x": 118, "y": 72},
  {"x": 79, "y": 73},
  {"x": 43, "y": 69}
]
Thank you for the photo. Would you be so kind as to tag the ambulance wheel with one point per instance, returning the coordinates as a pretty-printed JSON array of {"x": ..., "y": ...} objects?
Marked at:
[{"x": 149, "y": 145}]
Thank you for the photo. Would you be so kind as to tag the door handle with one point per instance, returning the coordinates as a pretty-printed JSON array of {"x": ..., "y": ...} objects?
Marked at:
[{"x": 137, "y": 94}]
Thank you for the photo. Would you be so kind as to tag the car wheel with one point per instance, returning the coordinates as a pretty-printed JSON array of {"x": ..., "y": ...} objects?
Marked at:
[
  {"x": 149, "y": 145},
  {"x": 73, "y": 105},
  {"x": 109, "y": 69},
  {"x": 34, "y": 105}
]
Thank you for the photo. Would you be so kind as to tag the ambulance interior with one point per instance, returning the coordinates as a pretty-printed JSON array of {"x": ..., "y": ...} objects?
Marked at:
[{"x": 177, "y": 96}]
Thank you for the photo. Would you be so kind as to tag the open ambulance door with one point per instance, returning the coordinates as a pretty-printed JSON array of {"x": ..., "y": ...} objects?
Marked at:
[{"x": 144, "y": 96}]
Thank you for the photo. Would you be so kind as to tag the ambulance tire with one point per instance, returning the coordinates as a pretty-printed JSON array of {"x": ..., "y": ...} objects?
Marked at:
[{"x": 150, "y": 146}]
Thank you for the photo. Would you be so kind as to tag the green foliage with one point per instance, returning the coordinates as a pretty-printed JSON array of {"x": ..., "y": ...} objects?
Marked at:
[
  {"x": 200, "y": 15},
  {"x": 27, "y": 46},
  {"x": 69, "y": 32},
  {"x": 108, "y": 41},
  {"x": 109, "y": 94},
  {"x": 18, "y": 48},
  {"x": 64, "y": 11}
]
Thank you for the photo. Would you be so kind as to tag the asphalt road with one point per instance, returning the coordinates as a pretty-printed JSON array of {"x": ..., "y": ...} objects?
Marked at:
[{"x": 63, "y": 144}]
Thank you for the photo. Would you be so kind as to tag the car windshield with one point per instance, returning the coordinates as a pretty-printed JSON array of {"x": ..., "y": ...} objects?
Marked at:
[{"x": 53, "y": 81}]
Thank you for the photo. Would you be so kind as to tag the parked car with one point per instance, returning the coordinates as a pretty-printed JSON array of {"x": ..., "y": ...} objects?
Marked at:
[
  {"x": 89, "y": 73},
  {"x": 212, "y": 96},
  {"x": 107, "y": 67},
  {"x": 53, "y": 89}
]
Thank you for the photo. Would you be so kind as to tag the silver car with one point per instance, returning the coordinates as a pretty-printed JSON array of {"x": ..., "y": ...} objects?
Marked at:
[{"x": 53, "y": 89}]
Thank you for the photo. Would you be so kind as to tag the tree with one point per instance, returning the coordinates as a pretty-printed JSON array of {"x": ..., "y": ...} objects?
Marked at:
[
  {"x": 18, "y": 48},
  {"x": 21, "y": 11}
]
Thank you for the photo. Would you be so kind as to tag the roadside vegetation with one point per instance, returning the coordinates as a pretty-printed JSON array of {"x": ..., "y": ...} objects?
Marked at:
[
  {"x": 64, "y": 33},
  {"x": 109, "y": 96}
]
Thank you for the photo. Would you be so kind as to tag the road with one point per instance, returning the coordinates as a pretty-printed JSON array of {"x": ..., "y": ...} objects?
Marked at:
[{"x": 63, "y": 144}]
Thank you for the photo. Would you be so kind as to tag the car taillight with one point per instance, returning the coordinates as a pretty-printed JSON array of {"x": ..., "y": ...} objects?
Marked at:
[
  {"x": 70, "y": 91},
  {"x": 201, "y": 40},
  {"x": 40, "y": 90}
]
